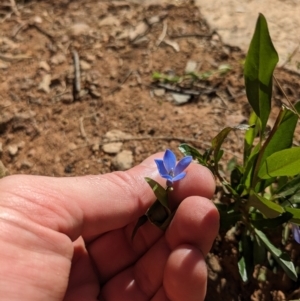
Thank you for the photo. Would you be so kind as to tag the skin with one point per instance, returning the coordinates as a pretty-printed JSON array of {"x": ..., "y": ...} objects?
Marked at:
[{"x": 70, "y": 238}]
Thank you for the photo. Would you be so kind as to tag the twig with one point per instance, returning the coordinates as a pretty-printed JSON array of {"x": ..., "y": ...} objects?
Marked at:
[
  {"x": 81, "y": 126},
  {"x": 41, "y": 30},
  {"x": 286, "y": 97},
  {"x": 122, "y": 82},
  {"x": 77, "y": 86},
  {"x": 163, "y": 34},
  {"x": 14, "y": 8},
  {"x": 189, "y": 35},
  {"x": 25, "y": 26},
  {"x": 290, "y": 56},
  {"x": 9, "y": 58}
]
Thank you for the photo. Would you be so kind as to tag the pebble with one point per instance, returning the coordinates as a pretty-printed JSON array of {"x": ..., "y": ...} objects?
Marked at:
[
  {"x": 123, "y": 160},
  {"x": 45, "y": 83},
  {"x": 112, "y": 148},
  {"x": 44, "y": 65},
  {"x": 115, "y": 135},
  {"x": 159, "y": 92},
  {"x": 191, "y": 66},
  {"x": 13, "y": 149},
  {"x": 84, "y": 65},
  {"x": 67, "y": 98},
  {"x": 58, "y": 59},
  {"x": 78, "y": 29},
  {"x": 180, "y": 99}
]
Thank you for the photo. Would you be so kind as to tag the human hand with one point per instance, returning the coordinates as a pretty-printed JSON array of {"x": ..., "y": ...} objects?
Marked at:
[{"x": 70, "y": 238}]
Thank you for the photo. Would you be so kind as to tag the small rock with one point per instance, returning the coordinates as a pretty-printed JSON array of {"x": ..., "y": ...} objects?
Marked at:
[
  {"x": 84, "y": 65},
  {"x": 45, "y": 83},
  {"x": 159, "y": 92},
  {"x": 123, "y": 160},
  {"x": 90, "y": 58},
  {"x": 78, "y": 29},
  {"x": 67, "y": 98},
  {"x": 72, "y": 146},
  {"x": 44, "y": 65},
  {"x": 58, "y": 59},
  {"x": 26, "y": 164},
  {"x": 115, "y": 135},
  {"x": 191, "y": 66},
  {"x": 180, "y": 98},
  {"x": 214, "y": 263},
  {"x": 138, "y": 31},
  {"x": 152, "y": 20},
  {"x": 12, "y": 149},
  {"x": 112, "y": 148},
  {"x": 3, "y": 170},
  {"x": 3, "y": 65},
  {"x": 109, "y": 21},
  {"x": 37, "y": 19}
]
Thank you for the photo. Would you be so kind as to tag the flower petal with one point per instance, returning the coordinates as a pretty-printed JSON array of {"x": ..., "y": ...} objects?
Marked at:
[
  {"x": 161, "y": 167},
  {"x": 182, "y": 164},
  {"x": 296, "y": 233},
  {"x": 169, "y": 160},
  {"x": 179, "y": 177}
]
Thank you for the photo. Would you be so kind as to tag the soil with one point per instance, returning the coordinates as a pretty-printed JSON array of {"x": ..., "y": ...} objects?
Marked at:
[{"x": 51, "y": 126}]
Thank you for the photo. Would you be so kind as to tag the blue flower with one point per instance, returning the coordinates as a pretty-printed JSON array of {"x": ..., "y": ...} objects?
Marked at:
[
  {"x": 168, "y": 169},
  {"x": 296, "y": 232}
]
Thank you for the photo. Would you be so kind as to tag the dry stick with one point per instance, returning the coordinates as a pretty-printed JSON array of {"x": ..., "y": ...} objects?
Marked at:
[
  {"x": 14, "y": 7},
  {"x": 163, "y": 34},
  {"x": 81, "y": 125},
  {"x": 188, "y": 35},
  {"x": 286, "y": 97},
  {"x": 9, "y": 58},
  {"x": 77, "y": 86},
  {"x": 290, "y": 56}
]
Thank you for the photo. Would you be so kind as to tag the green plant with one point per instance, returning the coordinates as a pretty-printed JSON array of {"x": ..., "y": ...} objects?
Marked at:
[{"x": 264, "y": 191}]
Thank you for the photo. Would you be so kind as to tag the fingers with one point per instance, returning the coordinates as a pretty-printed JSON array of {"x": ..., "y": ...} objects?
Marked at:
[
  {"x": 185, "y": 275},
  {"x": 176, "y": 259},
  {"x": 196, "y": 222},
  {"x": 92, "y": 205}
]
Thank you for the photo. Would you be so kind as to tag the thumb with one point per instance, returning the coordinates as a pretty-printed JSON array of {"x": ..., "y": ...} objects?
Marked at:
[{"x": 92, "y": 205}]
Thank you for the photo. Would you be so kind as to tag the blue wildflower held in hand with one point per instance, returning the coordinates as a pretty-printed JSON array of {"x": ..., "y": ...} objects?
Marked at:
[
  {"x": 296, "y": 232},
  {"x": 168, "y": 169}
]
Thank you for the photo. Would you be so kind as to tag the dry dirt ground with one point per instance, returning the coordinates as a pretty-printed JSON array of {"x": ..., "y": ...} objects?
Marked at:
[{"x": 56, "y": 122}]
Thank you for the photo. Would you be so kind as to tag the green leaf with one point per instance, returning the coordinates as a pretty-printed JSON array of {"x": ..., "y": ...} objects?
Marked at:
[
  {"x": 260, "y": 222},
  {"x": 159, "y": 215},
  {"x": 296, "y": 214},
  {"x": 245, "y": 264},
  {"x": 188, "y": 150},
  {"x": 247, "y": 176},
  {"x": 141, "y": 221},
  {"x": 217, "y": 141},
  {"x": 160, "y": 192},
  {"x": 265, "y": 206},
  {"x": 282, "y": 259},
  {"x": 259, "y": 66},
  {"x": 281, "y": 136},
  {"x": 250, "y": 135},
  {"x": 289, "y": 188},
  {"x": 259, "y": 251},
  {"x": 282, "y": 163}
]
